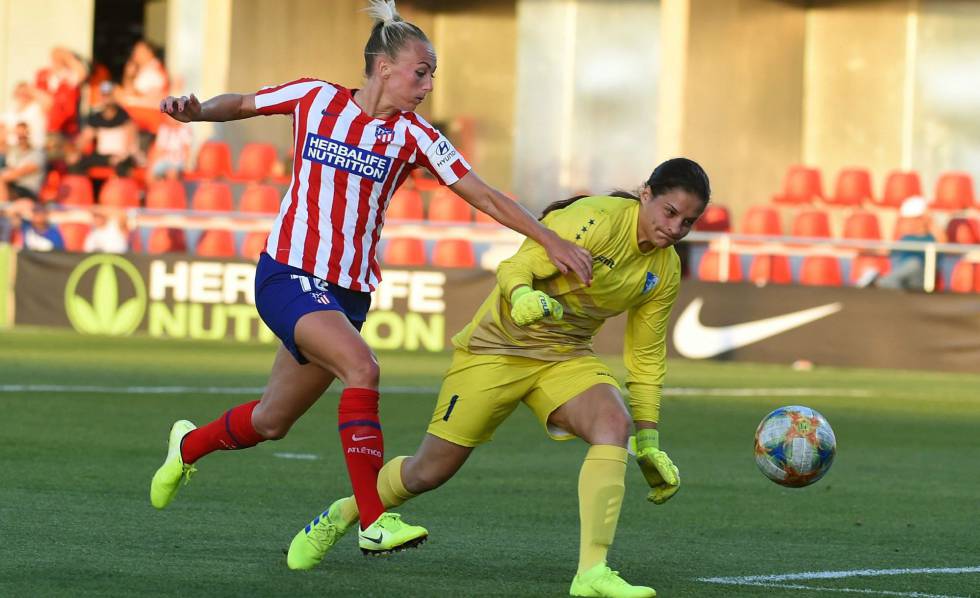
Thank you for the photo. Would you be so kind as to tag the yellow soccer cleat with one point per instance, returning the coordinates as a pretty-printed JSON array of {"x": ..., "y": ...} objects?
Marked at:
[
  {"x": 390, "y": 534},
  {"x": 166, "y": 481},
  {"x": 312, "y": 543},
  {"x": 603, "y": 581}
]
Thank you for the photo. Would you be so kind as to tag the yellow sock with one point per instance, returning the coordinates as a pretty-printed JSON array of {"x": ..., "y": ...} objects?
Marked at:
[
  {"x": 600, "y": 496},
  {"x": 390, "y": 488}
]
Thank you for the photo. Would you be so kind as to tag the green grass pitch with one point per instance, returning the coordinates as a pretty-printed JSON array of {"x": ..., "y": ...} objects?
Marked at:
[{"x": 75, "y": 518}]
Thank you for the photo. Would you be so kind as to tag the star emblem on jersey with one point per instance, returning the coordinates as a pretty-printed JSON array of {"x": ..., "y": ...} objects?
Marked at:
[{"x": 651, "y": 281}]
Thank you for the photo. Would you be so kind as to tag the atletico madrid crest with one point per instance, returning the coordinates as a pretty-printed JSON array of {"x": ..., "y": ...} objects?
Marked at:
[{"x": 383, "y": 134}]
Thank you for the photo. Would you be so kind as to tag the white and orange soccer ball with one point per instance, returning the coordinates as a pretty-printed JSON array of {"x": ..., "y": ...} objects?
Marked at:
[{"x": 794, "y": 446}]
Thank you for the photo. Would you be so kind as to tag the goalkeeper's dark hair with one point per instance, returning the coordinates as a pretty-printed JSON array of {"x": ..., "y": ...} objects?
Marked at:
[
  {"x": 676, "y": 173},
  {"x": 390, "y": 33}
]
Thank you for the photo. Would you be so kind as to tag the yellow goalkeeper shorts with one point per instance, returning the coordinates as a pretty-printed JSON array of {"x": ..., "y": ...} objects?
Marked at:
[{"x": 480, "y": 391}]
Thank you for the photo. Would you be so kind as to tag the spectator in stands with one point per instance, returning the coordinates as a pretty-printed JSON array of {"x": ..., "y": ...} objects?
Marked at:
[
  {"x": 114, "y": 136},
  {"x": 107, "y": 235},
  {"x": 26, "y": 108},
  {"x": 171, "y": 150},
  {"x": 23, "y": 173},
  {"x": 144, "y": 80},
  {"x": 3, "y": 145},
  {"x": 59, "y": 90},
  {"x": 907, "y": 265},
  {"x": 38, "y": 233}
]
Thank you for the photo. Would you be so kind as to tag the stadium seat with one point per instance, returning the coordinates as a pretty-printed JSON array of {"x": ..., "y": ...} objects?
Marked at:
[
  {"x": 402, "y": 251},
  {"x": 253, "y": 245},
  {"x": 802, "y": 185},
  {"x": 212, "y": 197},
  {"x": 853, "y": 187},
  {"x": 965, "y": 277},
  {"x": 963, "y": 230},
  {"x": 762, "y": 220},
  {"x": 864, "y": 262},
  {"x": 954, "y": 191},
  {"x": 821, "y": 270},
  {"x": 216, "y": 243},
  {"x": 770, "y": 269},
  {"x": 811, "y": 223},
  {"x": 453, "y": 253},
  {"x": 710, "y": 267},
  {"x": 405, "y": 204},
  {"x": 50, "y": 188},
  {"x": 76, "y": 190},
  {"x": 260, "y": 199},
  {"x": 715, "y": 218},
  {"x": 213, "y": 161},
  {"x": 120, "y": 193},
  {"x": 899, "y": 186},
  {"x": 446, "y": 206},
  {"x": 256, "y": 162},
  {"x": 74, "y": 234},
  {"x": 861, "y": 224},
  {"x": 166, "y": 240},
  {"x": 166, "y": 195}
]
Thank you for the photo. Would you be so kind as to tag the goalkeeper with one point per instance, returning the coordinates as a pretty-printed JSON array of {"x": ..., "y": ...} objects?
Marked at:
[{"x": 531, "y": 342}]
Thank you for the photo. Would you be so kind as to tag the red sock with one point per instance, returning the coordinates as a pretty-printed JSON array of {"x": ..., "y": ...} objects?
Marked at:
[
  {"x": 360, "y": 435},
  {"x": 231, "y": 431}
]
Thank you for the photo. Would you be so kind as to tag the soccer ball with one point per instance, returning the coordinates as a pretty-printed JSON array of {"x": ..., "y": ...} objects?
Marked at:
[{"x": 794, "y": 446}]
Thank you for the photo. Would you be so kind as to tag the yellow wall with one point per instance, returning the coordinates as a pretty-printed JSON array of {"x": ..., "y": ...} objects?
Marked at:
[{"x": 743, "y": 103}]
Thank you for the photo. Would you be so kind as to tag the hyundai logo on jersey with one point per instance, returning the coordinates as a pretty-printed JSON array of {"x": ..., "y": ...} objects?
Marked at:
[
  {"x": 348, "y": 158},
  {"x": 443, "y": 148}
]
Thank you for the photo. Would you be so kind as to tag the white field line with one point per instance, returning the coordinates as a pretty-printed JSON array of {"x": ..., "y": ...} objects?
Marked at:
[
  {"x": 776, "y": 581},
  {"x": 297, "y": 456},
  {"x": 415, "y": 390}
]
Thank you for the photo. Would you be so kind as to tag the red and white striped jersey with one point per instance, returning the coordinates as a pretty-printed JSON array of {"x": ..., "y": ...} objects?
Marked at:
[{"x": 346, "y": 166}]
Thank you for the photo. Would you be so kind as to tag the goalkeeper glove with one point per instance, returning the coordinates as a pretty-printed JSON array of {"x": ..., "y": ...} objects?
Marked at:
[
  {"x": 659, "y": 471},
  {"x": 528, "y": 306}
]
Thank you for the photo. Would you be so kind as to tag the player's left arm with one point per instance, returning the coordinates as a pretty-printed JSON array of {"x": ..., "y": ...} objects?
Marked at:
[{"x": 645, "y": 355}]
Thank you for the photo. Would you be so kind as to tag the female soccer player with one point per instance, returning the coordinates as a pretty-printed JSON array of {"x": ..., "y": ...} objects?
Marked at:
[
  {"x": 354, "y": 147},
  {"x": 531, "y": 342}
]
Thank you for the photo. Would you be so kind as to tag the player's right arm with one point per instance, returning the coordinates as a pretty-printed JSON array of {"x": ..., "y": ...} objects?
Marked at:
[{"x": 222, "y": 108}]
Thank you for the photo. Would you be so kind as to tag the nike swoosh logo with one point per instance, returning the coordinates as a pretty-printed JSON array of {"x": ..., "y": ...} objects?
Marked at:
[
  {"x": 375, "y": 540},
  {"x": 357, "y": 438},
  {"x": 694, "y": 340}
]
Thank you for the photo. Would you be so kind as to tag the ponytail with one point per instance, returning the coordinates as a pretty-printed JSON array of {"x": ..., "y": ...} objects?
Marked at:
[
  {"x": 564, "y": 203},
  {"x": 390, "y": 33}
]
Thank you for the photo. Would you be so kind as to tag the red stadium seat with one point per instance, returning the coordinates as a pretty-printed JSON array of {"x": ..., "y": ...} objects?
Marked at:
[
  {"x": 50, "y": 188},
  {"x": 965, "y": 277},
  {"x": 166, "y": 195},
  {"x": 120, "y": 193},
  {"x": 853, "y": 187},
  {"x": 405, "y": 204},
  {"x": 710, "y": 267},
  {"x": 900, "y": 186},
  {"x": 811, "y": 223},
  {"x": 770, "y": 269},
  {"x": 954, "y": 191},
  {"x": 212, "y": 197},
  {"x": 862, "y": 224},
  {"x": 216, "y": 243},
  {"x": 446, "y": 206},
  {"x": 821, "y": 270},
  {"x": 802, "y": 185},
  {"x": 715, "y": 218},
  {"x": 256, "y": 162},
  {"x": 963, "y": 230},
  {"x": 166, "y": 240},
  {"x": 762, "y": 220},
  {"x": 864, "y": 262},
  {"x": 260, "y": 199},
  {"x": 404, "y": 252},
  {"x": 213, "y": 161},
  {"x": 253, "y": 245},
  {"x": 74, "y": 234},
  {"x": 453, "y": 253},
  {"x": 76, "y": 190}
]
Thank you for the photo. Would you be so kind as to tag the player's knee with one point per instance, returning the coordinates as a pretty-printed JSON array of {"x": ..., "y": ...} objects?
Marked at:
[
  {"x": 612, "y": 427},
  {"x": 365, "y": 374}
]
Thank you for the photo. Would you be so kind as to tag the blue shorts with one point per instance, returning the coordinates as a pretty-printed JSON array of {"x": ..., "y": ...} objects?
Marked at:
[{"x": 284, "y": 294}]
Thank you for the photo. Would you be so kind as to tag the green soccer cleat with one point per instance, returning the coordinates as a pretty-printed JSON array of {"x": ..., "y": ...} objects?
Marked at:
[
  {"x": 390, "y": 534},
  {"x": 167, "y": 479},
  {"x": 312, "y": 543},
  {"x": 603, "y": 581}
]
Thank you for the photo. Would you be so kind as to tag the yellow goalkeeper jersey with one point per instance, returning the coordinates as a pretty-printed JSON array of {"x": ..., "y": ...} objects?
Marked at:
[{"x": 624, "y": 279}]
